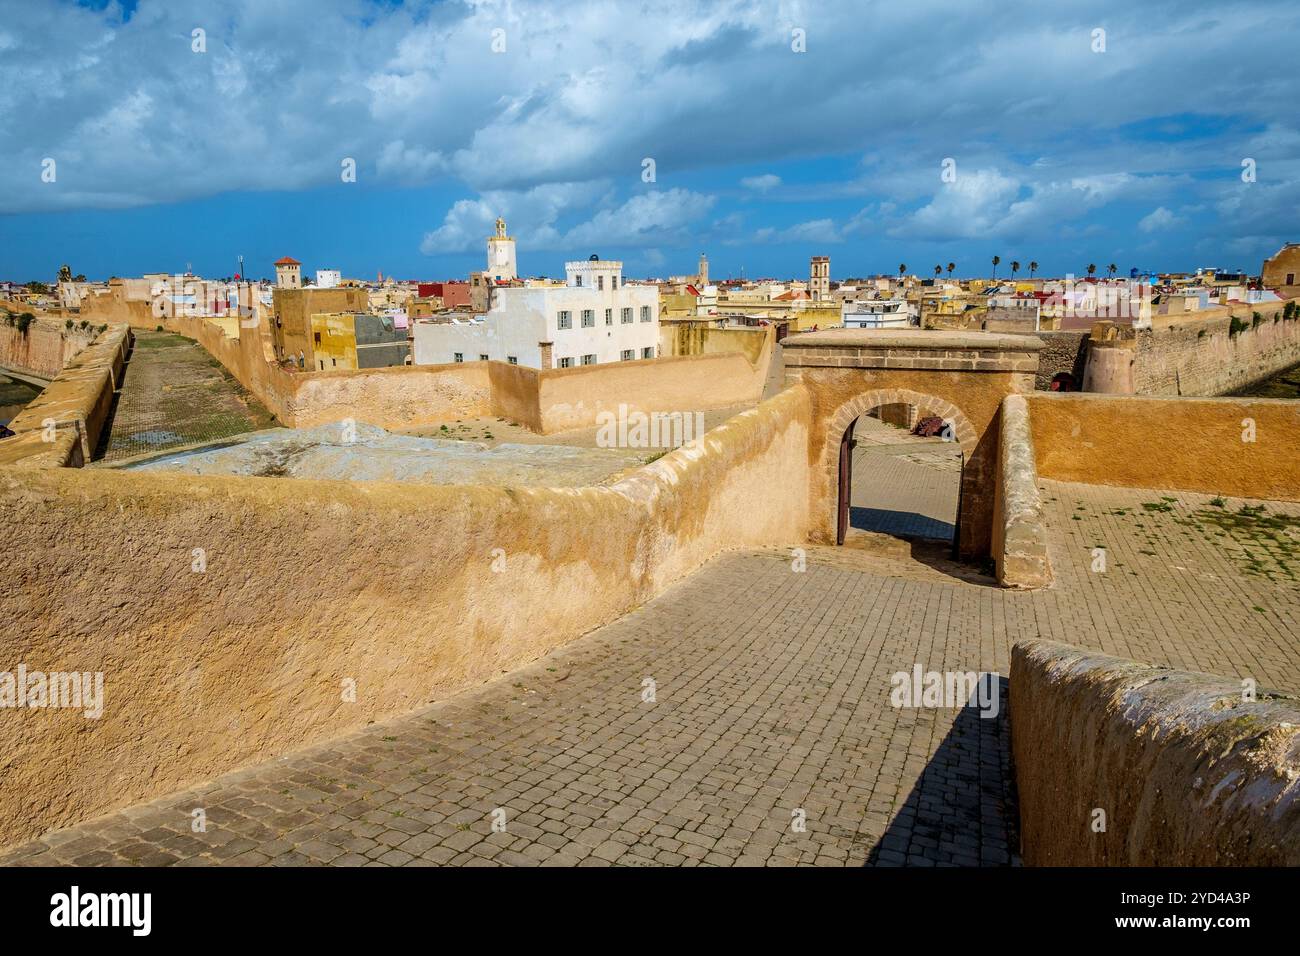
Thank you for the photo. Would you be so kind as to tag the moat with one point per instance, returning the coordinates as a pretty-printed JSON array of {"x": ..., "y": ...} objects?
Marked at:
[{"x": 1285, "y": 384}]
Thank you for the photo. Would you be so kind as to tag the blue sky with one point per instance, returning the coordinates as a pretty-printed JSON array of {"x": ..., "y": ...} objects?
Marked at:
[{"x": 1067, "y": 146}]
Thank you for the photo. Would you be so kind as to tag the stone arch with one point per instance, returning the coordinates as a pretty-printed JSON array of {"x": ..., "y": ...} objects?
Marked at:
[
  {"x": 962, "y": 376},
  {"x": 860, "y": 404},
  {"x": 853, "y": 408}
]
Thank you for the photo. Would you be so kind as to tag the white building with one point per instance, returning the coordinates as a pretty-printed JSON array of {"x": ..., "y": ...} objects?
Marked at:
[
  {"x": 875, "y": 314},
  {"x": 594, "y": 318},
  {"x": 328, "y": 278}
]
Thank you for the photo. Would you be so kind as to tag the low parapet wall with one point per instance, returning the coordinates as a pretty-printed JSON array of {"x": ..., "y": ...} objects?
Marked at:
[
  {"x": 1124, "y": 764},
  {"x": 234, "y": 619},
  {"x": 545, "y": 401},
  {"x": 1019, "y": 530},
  {"x": 1244, "y": 447},
  {"x": 79, "y": 397},
  {"x": 577, "y": 397}
]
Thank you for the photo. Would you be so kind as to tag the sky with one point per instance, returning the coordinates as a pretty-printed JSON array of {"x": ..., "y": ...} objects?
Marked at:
[{"x": 161, "y": 135}]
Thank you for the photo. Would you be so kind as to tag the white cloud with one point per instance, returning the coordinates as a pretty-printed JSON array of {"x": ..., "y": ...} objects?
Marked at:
[
  {"x": 814, "y": 230},
  {"x": 761, "y": 184},
  {"x": 534, "y": 218},
  {"x": 1159, "y": 219}
]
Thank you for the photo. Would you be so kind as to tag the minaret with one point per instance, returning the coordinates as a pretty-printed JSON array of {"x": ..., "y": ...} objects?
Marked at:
[
  {"x": 501, "y": 254},
  {"x": 703, "y": 274}
]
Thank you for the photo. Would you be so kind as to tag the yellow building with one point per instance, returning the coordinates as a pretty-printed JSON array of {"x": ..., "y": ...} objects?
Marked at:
[
  {"x": 334, "y": 341},
  {"x": 292, "y": 310}
]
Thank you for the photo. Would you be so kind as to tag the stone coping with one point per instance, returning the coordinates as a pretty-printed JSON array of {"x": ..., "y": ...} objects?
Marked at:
[
  {"x": 1021, "y": 552},
  {"x": 1190, "y": 769},
  {"x": 914, "y": 339}
]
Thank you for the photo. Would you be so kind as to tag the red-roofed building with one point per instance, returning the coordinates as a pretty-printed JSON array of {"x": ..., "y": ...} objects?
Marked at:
[
  {"x": 288, "y": 273},
  {"x": 453, "y": 294}
]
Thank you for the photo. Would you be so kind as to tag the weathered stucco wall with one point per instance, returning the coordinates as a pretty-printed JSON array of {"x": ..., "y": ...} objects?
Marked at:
[
  {"x": 1196, "y": 353},
  {"x": 702, "y": 337},
  {"x": 1185, "y": 771},
  {"x": 545, "y": 401},
  {"x": 79, "y": 398},
  {"x": 46, "y": 348},
  {"x": 1019, "y": 529},
  {"x": 573, "y": 397},
  {"x": 1199, "y": 357},
  {"x": 515, "y": 393},
  {"x": 394, "y": 397},
  {"x": 309, "y": 584},
  {"x": 1186, "y": 444}
]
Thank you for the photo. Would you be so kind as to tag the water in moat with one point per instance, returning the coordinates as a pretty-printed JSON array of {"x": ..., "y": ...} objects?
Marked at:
[{"x": 14, "y": 395}]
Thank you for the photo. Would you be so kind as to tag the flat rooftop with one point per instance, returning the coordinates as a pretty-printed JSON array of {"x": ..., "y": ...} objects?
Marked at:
[{"x": 362, "y": 452}]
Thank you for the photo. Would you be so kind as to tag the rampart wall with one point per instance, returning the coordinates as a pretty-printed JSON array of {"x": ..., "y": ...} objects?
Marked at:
[
  {"x": 1124, "y": 764},
  {"x": 312, "y": 587}
]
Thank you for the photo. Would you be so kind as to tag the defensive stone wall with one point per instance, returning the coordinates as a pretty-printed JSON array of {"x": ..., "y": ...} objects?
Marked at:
[
  {"x": 1124, "y": 764},
  {"x": 320, "y": 606},
  {"x": 1062, "y": 352},
  {"x": 1205, "y": 357},
  {"x": 571, "y": 398},
  {"x": 1243, "y": 447},
  {"x": 1195, "y": 354},
  {"x": 80, "y": 397},
  {"x": 544, "y": 401},
  {"x": 46, "y": 347}
]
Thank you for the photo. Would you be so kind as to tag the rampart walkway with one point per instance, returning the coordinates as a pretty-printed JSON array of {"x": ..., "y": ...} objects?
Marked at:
[{"x": 771, "y": 705}]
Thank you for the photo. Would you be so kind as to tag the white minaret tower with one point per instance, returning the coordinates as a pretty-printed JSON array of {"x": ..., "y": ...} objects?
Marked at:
[
  {"x": 501, "y": 254},
  {"x": 703, "y": 273}
]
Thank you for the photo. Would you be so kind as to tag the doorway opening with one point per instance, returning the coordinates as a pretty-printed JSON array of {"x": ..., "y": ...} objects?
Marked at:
[{"x": 900, "y": 469}]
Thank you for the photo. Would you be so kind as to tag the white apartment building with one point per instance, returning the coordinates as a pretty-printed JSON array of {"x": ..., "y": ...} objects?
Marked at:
[
  {"x": 875, "y": 314},
  {"x": 594, "y": 318},
  {"x": 328, "y": 278}
]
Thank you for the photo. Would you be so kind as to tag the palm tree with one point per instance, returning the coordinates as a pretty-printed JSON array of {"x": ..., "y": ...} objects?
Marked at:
[
  {"x": 1033, "y": 267},
  {"x": 996, "y": 260},
  {"x": 1015, "y": 267},
  {"x": 951, "y": 266},
  {"x": 1092, "y": 269},
  {"x": 902, "y": 267},
  {"x": 1111, "y": 269},
  {"x": 937, "y": 270}
]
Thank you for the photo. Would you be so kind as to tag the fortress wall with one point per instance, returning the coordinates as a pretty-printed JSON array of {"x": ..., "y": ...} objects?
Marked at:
[
  {"x": 679, "y": 337},
  {"x": 1186, "y": 772},
  {"x": 397, "y": 397},
  {"x": 515, "y": 394},
  {"x": 571, "y": 398},
  {"x": 1062, "y": 352},
  {"x": 46, "y": 348},
  {"x": 1190, "y": 357},
  {"x": 311, "y": 584},
  {"x": 1182, "y": 444},
  {"x": 80, "y": 397},
  {"x": 543, "y": 401}
]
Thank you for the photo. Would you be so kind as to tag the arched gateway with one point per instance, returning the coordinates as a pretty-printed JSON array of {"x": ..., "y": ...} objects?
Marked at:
[{"x": 959, "y": 376}]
